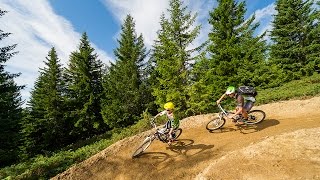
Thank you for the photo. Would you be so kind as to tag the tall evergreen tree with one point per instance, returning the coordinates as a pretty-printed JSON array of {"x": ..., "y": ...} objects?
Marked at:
[
  {"x": 291, "y": 27},
  {"x": 10, "y": 106},
  {"x": 44, "y": 126},
  {"x": 234, "y": 57},
  {"x": 84, "y": 84},
  {"x": 172, "y": 56},
  {"x": 313, "y": 48},
  {"x": 124, "y": 84}
]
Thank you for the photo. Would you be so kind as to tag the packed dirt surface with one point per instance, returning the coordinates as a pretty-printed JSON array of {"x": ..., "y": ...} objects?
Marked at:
[{"x": 286, "y": 145}]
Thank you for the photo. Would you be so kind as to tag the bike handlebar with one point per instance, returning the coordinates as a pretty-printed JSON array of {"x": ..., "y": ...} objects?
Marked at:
[{"x": 153, "y": 124}]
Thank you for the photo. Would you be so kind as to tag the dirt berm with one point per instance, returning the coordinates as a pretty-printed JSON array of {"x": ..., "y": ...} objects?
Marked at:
[{"x": 284, "y": 146}]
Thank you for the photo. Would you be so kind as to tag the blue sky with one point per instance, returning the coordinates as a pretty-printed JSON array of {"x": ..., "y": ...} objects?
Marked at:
[
  {"x": 37, "y": 25},
  {"x": 91, "y": 17}
]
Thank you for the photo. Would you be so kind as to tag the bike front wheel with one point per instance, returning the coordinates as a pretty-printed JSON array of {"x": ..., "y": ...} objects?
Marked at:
[
  {"x": 215, "y": 123},
  {"x": 145, "y": 144},
  {"x": 255, "y": 117}
]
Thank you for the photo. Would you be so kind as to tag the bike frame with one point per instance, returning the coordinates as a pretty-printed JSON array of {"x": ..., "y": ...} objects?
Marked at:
[
  {"x": 223, "y": 112},
  {"x": 158, "y": 133},
  {"x": 218, "y": 122},
  {"x": 226, "y": 113}
]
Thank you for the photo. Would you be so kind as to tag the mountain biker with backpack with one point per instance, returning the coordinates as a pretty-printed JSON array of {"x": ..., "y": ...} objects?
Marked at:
[
  {"x": 245, "y": 97},
  {"x": 172, "y": 123}
]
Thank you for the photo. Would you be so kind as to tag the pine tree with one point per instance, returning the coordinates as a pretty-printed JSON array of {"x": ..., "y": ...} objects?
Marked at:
[
  {"x": 234, "y": 56},
  {"x": 313, "y": 48},
  {"x": 291, "y": 27},
  {"x": 10, "y": 106},
  {"x": 84, "y": 90},
  {"x": 125, "y": 89},
  {"x": 172, "y": 56},
  {"x": 44, "y": 126}
]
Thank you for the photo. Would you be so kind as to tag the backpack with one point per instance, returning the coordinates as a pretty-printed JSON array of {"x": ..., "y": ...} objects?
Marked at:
[{"x": 247, "y": 90}]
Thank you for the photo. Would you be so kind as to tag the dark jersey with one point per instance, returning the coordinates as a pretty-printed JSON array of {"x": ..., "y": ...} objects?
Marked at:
[{"x": 242, "y": 99}]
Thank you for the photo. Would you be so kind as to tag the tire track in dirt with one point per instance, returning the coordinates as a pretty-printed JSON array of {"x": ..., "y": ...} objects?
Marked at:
[{"x": 198, "y": 149}]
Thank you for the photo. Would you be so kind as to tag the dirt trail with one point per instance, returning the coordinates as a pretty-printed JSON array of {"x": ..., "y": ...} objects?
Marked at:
[{"x": 284, "y": 146}]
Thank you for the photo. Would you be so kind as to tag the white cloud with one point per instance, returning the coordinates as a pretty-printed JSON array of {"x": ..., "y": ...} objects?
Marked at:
[
  {"x": 36, "y": 28},
  {"x": 202, "y": 8},
  {"x": 265, "y": 17},
  {"x": 146, "y": 14}
]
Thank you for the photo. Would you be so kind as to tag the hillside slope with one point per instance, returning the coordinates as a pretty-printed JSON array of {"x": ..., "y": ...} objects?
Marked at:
[{"x": 284, "y": 146}]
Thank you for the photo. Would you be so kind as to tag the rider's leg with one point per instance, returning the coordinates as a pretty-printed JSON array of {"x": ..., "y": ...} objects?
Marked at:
[
  {"x": 169, "y": 125},
  {"x": 246, "y": 108},
  {"x": 235, "y": 120},
  {"x": 244, "y": 113},
  {"x": 170, "y": 133},
  {"x": 166, "y": 126}
]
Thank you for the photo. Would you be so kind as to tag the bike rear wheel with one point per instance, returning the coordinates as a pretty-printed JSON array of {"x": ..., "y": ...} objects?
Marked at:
[
  {"x": 215, "y": 123},
  {"x": 177, "y": 133},
  {"x": 145, "y": 144},
  {"x": 255, "y": 117}
]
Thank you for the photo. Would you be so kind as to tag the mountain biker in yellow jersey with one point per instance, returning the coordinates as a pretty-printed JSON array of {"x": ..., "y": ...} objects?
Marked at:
[
  {"x": 244, "y": 103},
  {"x": 172, "y": 123}
]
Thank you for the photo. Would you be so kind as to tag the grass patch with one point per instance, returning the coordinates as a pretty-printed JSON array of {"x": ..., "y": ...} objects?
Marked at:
[
  {"x": 44, "y": 167},
  {"x": 298, "y": 89}
]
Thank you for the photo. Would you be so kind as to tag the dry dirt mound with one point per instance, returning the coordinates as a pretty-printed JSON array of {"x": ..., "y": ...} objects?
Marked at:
[
  {"x": 284, "y": 146},
  {"x": 294, "y": 155}
]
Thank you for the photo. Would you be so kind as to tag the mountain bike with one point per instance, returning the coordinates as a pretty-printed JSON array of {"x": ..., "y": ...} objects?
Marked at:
[
  {"x": 254, "y": 117},
  {"x": 160, "y": 134}
]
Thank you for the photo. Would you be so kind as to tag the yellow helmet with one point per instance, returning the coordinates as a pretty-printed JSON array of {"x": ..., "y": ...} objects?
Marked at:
[{"x": 168, "y": 106}]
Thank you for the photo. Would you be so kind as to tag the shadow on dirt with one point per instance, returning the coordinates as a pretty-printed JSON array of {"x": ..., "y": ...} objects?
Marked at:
[
  {"x": 224, "y": 129},
  {"x": 157, "y": 157},
  {"x": 181, "y": 147},
  {"x": 247, "y": 129},
  {"x": 186, "y": 147},
  {"x": 182, "y": 143}
]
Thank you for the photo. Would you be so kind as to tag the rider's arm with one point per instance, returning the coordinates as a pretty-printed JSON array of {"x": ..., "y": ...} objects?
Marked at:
[
  {"x": 223, "y": 95},
  {"x": 237, "y": 112},
  {"x": 240, "y": 103},
  {"x": 160, "y": 114}
]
